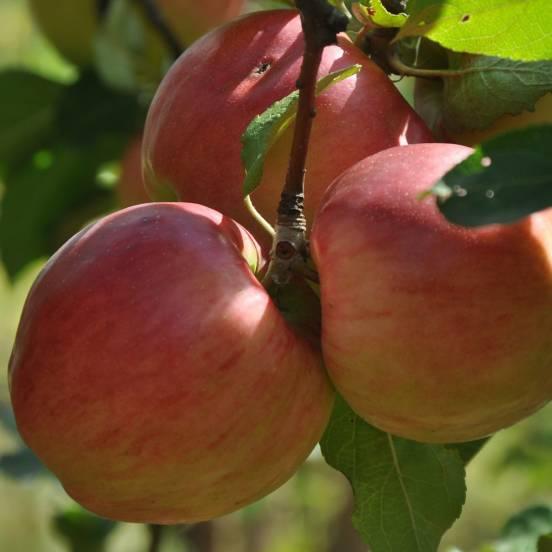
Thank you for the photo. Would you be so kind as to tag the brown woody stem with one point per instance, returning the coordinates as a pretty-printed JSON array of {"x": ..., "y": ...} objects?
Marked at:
[
  {"x": 156, "y": 18},
  {"x": 156, "y": 533},
  {"x": 321, "y": 23}
]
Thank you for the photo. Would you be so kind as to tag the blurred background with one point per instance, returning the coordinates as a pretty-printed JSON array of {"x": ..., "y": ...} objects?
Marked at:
[{"x": 312, "y": 512}]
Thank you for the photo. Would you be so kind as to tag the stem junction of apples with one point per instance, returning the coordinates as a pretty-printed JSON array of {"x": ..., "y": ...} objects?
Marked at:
[{"x": 321, "y": 23}]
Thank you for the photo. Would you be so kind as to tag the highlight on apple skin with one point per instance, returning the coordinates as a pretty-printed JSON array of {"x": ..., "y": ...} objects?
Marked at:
[
  {"x": 236, "y": 72},
  {"x": 431, "y": 331},
  {"x": 155, "y": 377}
]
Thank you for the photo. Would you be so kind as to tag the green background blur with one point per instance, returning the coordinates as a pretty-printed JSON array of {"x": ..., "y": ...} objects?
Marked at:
[{"x": 311, "y": 513}]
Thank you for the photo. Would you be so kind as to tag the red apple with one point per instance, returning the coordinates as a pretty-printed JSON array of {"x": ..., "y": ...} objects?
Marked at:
[
  {"x": 155, "y": 377},
  {"x": 431, "y": 331},
  {"x": 130, "y": 187},
  {"x": 206, "y": 101}
]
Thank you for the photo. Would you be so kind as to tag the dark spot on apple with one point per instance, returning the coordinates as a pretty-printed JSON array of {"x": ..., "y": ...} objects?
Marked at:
[
  {"x": 263, "y": 67},
  {"x": 465, "y": 18}
]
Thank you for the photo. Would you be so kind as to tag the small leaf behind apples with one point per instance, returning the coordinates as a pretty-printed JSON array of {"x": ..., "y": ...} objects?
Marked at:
[
  {"x": 545, "y": 543},
  {"x": 53, "y": 188},
  {"x": 27, "y": 112},
  {"x": 489, "y": 87},
  {"x": 41, "y": 197},
  {"x": 266, "y": 128},
  {"x": 376, "y": 12},
  {"x": 525, "y": 532},
  {"x": 407, "y": 494},
  {"x": 505, "y": 28},
  {"x": 84, "y": 531},
  {"x": 505, "y": 179}
]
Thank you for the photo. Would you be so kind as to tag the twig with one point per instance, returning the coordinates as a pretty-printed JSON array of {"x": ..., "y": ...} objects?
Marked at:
[
  {"x": 156, "y": 18},
  {"x": 258, "y": 217},
  {"x": 321, "y": 23},
  {"x": 156, "y": 534},
  {"x": 402, "y": 68},
  {"x": 102, "y": 7}
]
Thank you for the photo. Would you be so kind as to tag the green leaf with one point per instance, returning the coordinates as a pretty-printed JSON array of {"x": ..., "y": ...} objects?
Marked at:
[
  {"x": 263, "y": 131},
  {"x": 469, "y": 450},
  {"x": 56, "y": 190},
  {"x": 485, "y": 88},
  {"x": 526, "y": 532},
  {"x": 89, "y": 112},
  {"x": 545, "y": 543},
  {"x": 128, "y": 53},
  {"x": 407, "y": 494},
  {"x": 514, "y": 29},
  {"x": 27, "y": 113},
  {"x": 505, "y": 179},
  {"x": 41, "y": 199},
  {"x": 84, "y": 531},
  {"x": 375, "y": 11}
]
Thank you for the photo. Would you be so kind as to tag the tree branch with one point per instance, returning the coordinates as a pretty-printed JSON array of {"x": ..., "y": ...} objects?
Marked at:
[
  {"x": 321, "y": 23},
  {"x": 102, "y": 7},
  {"x": 156, "y": 18},
  {"x": 156, "y": 534}
]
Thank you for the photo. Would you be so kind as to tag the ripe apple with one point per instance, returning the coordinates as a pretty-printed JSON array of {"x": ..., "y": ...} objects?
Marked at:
[
  {"x": 540, "y": 116},
  {"x": 431, "y": 331},
  {"x": 72, "y": 24},
  {"x": 130, "y": 186},
  {"x": 209, "y": 96},
  {"x": 155, "y": 377}
]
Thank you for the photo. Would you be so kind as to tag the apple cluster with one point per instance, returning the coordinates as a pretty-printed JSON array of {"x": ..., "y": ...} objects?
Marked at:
[{"x": 157, "y": 378}]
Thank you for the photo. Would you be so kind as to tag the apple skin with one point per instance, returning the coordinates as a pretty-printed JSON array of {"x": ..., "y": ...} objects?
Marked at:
[
  {"x": 130, "y": 186},
  {"x": 540, "y": 116},
  {"x": 72, "y": 24},
  {"x": 431, "y": 331},
  {"x": 212, "y": 92},
  {"x": 153, "y": 374}
]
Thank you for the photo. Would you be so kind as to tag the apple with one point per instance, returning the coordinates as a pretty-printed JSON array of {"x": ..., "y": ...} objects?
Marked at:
[
  {"x": 130, "y": 186},
  {"x": 431, "y": 331},
  {"x": 71, "y": 25},
  {"x": 541, "y": 115},
  {"x": 209, "y": 96},
  {"x": 153, "y": 374}
]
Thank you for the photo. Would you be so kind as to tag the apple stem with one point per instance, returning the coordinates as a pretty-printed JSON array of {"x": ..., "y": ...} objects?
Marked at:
[
  {"x": 156, "y": 18},
  {"x": 402, "y": 68},
  {"x": 258, "y": 217},
  {"x": 321, "y": 23}
]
